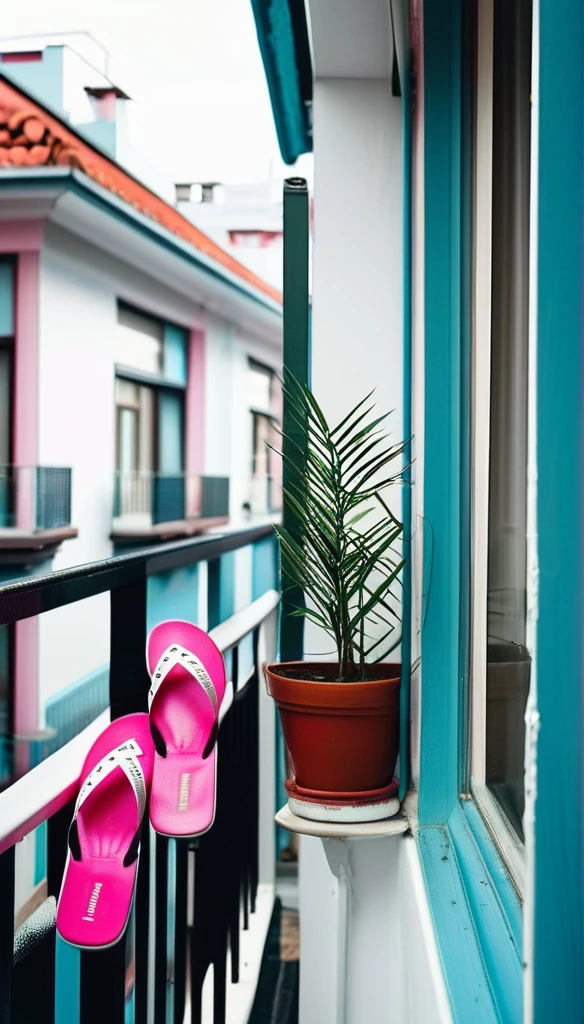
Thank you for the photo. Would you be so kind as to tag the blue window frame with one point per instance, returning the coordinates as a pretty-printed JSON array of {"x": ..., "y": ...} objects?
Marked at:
[{"x": 476, "y": 910}]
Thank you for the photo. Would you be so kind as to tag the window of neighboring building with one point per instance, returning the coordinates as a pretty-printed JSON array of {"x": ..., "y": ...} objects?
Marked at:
[
  {"x": 139, "y": 341},
  {"x": 501, "y": 663},
  {"x": 136, "y": 426},
  {"x": 150, "y": 384},
  {"x": 5, "y": 403},
  {"x": 265, "y": 399},
  {"x": 6, "y": 700},
  {"x": 6, "y": 350},
  {"x": 6, "y": 377},
  {"x": 5, "y": 680}
]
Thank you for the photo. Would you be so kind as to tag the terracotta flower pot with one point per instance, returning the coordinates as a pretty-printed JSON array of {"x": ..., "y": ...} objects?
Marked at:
[{"x": 343, "y": 738}]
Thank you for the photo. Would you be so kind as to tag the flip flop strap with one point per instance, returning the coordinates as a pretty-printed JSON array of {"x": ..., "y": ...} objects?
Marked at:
[
  {"x": 177, "y": 655},
  {"x": 125, "y": 757}
]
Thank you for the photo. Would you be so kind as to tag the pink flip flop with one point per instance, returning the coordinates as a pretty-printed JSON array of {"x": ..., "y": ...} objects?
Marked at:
[
  {"x": 188, "y": 684},
  {"x": 104, "y": 837}
]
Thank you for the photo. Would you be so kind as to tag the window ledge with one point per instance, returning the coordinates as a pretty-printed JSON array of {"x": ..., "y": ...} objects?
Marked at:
[
  {"x": 19, "y": 545},
  {"x": 477, "y": 916},
  {"x": 166, "y": 531}
]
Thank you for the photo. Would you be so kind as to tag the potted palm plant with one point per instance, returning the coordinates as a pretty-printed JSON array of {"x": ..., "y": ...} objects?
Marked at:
[{"x": 341, "y": 718}]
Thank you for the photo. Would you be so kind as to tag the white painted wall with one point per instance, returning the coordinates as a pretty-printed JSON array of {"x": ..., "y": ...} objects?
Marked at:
[
  {"x": 393, "y": 970},
  {"x": 79, "y": 289},
  {"x": 228, "y": 423},
  {"x": 357, "y": 287}
]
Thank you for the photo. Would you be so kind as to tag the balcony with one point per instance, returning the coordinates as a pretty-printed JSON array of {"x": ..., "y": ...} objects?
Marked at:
[
  {"x": 159, "y": 506},
  {"x": 199, "y": 903},
  {"x": 35, "y": 512}
]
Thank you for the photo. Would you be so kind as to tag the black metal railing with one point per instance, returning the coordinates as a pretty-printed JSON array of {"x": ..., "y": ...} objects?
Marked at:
[
  {"x": 192, "y": 897},
  {"x": 150, "y": 499},
  {"x": 35, "y": 497}
]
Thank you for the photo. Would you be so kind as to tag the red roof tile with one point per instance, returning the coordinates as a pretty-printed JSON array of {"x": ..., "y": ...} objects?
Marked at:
[{"x": 31, "y": 137}]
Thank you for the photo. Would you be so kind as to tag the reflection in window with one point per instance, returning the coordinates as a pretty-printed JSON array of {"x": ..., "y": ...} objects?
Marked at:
[{"x": 508, "y": 662}]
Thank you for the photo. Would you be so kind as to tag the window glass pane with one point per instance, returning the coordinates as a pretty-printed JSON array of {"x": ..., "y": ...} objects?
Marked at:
[
  {"x": 175, "y": 354},
  {"x": 259, "y": 387},
  {"x": 5, "y": 405},
  {"x": 139, "y": 341},
  {"x": 147, "y": 429},
  {"x": 5, "y": 687},
  {"x": 262, "y": 436},
  {"x": 127, "y": 393},
  {"x": 127, "y": 440},
  {"x": 508, "y": 662},
  {"x": 170, "y": 432},
  {"x": 6, "y": 299}
]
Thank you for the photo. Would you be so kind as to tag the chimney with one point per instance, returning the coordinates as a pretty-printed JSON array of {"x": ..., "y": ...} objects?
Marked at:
[{"x": 105, "y": 101}]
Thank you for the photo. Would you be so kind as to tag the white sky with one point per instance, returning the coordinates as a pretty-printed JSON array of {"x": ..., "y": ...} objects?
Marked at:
[{"x": 194, "y": 72}]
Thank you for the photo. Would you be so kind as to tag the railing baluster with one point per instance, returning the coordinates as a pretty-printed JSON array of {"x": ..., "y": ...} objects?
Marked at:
[
  {"x": 254, "y": 759},
  {"x": 103, "y": 976},
  {"x": 160, "y": 965},
  {"x": 142, "y": 916},
  {"x": 246, "y": 821},
  {"x": 237, "y": 809},
  {"x": 57, "y": 829},
  {"x": 6, "y": 932},
  {"x": 129, "y": 681},
  {"x": 180, "y": 934}
]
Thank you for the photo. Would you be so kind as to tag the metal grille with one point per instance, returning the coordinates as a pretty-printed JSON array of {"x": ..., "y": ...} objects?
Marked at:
[
  {"x": 53, "y": 497},
  {"x": 214, "y": 496}
]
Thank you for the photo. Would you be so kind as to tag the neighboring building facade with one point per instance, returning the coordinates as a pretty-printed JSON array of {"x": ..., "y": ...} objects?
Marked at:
[
  {"x": 130, "y": 349},
  {"x": 246, "y": 220},
  {"x": 448, "y": 147}
]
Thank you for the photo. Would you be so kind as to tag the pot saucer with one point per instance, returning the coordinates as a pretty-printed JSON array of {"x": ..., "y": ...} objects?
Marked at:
[{"x": 345, "y": 808}]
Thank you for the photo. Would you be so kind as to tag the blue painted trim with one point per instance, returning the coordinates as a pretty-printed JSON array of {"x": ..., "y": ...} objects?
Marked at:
[
  {"x": 279, "y": 48},
  {"x": 175, "y": 354},
  {"x": 464, "y": 969},
  {"x": 71, "y": 709},
  {"x": 265, "y": 567},
  {"x": 6, "y": 298},
  {"x": 173, "y": 594},
  {"x": 440, "y": 631},
  {"x": 465, "y": 388},
  {"x": 474, "y": 925},
  {"x": 170, "y": 929},
  {"x": 403, "y": 49},
  {"x": 559, "y": 853},
  {"x": 40, "y": 853},
  {"x": 24, "y": 179},
  {"x": 67, "y": 982},
  {"x": 506, "y": 891}
]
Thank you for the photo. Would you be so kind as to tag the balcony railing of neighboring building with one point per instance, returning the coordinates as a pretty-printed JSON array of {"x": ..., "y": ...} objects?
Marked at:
[
  {"x": 35, "y": 507},
  {"x": 147, "y": 502},
  {"x": 35, "y": 497},
  {"x": 193, "y": 896}
]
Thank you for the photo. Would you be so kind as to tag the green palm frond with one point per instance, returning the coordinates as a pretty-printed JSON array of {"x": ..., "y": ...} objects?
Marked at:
[{"x": 346, "y": 553}]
